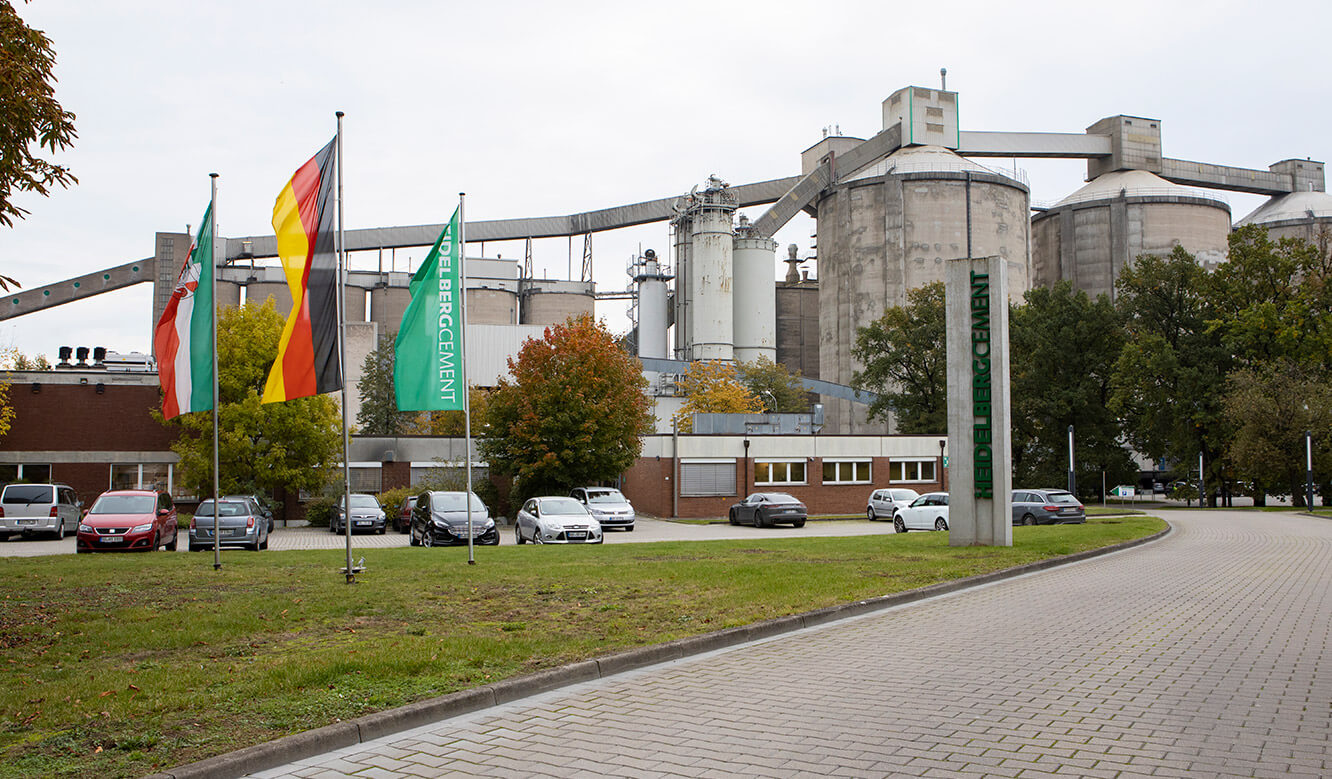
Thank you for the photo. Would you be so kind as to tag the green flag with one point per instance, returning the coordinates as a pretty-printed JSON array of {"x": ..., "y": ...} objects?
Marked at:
[{"x": 427, "y": 368}]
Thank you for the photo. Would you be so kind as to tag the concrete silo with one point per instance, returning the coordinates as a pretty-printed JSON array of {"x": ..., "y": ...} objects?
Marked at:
[
  {"x": 704, "y": 245},
  {"x": 549, "y": 301},
  {"x": 1088, "y": 237},
  {"x": 650, "y": 312},
  {"x": 889, "y": 228},
  {"x": 754, "y": 300},
  {"x": 1305, "y": 214}
]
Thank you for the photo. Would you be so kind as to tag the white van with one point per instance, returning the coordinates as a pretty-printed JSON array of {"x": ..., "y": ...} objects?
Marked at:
[{"x": 29, "y": 509}]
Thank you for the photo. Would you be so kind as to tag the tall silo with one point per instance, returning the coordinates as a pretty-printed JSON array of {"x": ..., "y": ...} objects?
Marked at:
[
  {"x": 888, "y": 229},
  {"x": 754, "y": 301},
  {"x": 551, "y": 301},
  {"x": 680, "y": 302},
  {"x": 1088, "y": 237},
  {"x": 706, "y": 279},
  {"x": 1305, "y": 214},
  {"x": 651, "y": 308},
  {"x": 389, "y": 301}
]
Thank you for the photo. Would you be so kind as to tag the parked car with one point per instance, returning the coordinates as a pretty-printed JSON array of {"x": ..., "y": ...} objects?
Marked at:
[
  {"x": 402, "y": 520},
  {"x": 928, "y": 512},
  {"x": 764, "y": 509},
  {"x": 366, "y": 515},
  {"x": 38, "y": 508},
  {"x": 1047, "y": 507},
  {"x": 240, "y": 524},
  {"x": 885, "y": 503},
  {"x": 260, "y": 503},
  {"x": 121, "y": 520},
  {"x": 556, "y": 520},
  {"x": 610, "y": 507},
  {"x": 440, "y": 519}
]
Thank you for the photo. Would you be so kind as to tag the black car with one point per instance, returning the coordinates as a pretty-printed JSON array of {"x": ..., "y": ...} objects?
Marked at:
[
  {"x": 1047, "y": 507},
  {"x": 763, "y": 509},
  {"x": 440, "y": 519}
]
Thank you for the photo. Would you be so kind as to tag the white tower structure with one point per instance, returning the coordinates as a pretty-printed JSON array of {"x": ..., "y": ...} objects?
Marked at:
[
  {"x": 755, "y": 296},
  {"x": 704, "y": 267},
  {"x": 651, "y": 309}
]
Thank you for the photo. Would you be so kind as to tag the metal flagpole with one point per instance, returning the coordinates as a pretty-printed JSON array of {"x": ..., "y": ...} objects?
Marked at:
[
  {"x": 342, "y": 369},
  {"x": 212, "y": 276},
  {"x": 462, "y": 351}
]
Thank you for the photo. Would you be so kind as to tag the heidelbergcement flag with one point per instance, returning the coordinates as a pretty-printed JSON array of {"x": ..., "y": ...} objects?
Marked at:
[
  {"x": 183, "y": 338},
  {"x": 427, "y": 368}
]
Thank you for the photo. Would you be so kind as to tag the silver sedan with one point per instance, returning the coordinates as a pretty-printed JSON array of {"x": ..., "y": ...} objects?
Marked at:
[{"x": 556, "y": 520}]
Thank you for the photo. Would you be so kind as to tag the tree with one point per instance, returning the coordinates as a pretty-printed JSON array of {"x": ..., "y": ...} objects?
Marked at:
[
  {"x": 451, "y": 423},
  {"x": 1063, "y": 346},
  {"x": 1270, "y": 408},
  {"x": 904, "y": 354},
  {"x": 774, "y": 385},
  {"x": 29, "y": 116},
  {"x": 293, "y": 446},
  {"x": 716, "y": 388},
  {"x": 1169, "y": 377},
  {"x": 572, "y": 413},
  {"x": 379, "y": 414}
]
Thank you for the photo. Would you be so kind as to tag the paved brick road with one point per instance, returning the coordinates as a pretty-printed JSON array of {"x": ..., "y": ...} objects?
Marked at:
[{"x": 1199, "y": 655}]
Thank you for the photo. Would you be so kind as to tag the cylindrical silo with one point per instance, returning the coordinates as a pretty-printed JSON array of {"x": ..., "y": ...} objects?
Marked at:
[
  {"x": 1303, "y": 215},
  {"x": 651, "y": 279},
  {"x": 354, "y": 304},
  {"x": 680, "y": 230},
  {"x": 1090, "y": 236},
  {"x": 710, "y": 308},
  {"x": 256, "y": 292},
  {"x": 389, "y": 302},
  {"x": 228, "y": 293},
  {"x": 552, "y": 301},
  {"x": 890, "y": 228},
  {"x": 754, "y": 302},
  {"x": 491, "y": 306}
]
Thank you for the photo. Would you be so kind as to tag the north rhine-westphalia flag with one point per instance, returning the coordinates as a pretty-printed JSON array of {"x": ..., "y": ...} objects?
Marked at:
[
  {"x": 183, "y": 338},
  {"x": 427, "y": 367},
  {"x": 308, "y": 360}
]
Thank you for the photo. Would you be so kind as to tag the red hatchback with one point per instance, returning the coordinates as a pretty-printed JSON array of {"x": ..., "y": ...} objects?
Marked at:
[{"x": 138, "y": 520}]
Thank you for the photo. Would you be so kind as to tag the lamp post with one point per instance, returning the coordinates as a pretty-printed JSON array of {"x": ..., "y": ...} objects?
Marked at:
[
  {"x": 1308, "y": 469},
  {"x": 1202, "y": 483},
  {"x": 943, "y": 486},
  {"x": 1072, "y": 480}
]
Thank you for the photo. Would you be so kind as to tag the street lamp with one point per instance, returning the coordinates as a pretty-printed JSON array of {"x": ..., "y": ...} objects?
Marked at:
[
  {"x": 1202, "y": 483},
  {"x": 1072, "y": 481},
  {"x": 942, "y": 470},
  {"x": 1308, "y": 469}
]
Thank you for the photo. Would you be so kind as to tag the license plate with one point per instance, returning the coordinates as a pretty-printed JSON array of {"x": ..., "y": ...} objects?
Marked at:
[
  {"x": 362, "y": 522},
  {"x": 576, "y": 535},
  {"x": 113, "y": 540},
  {"x": 27, "y": 521}
]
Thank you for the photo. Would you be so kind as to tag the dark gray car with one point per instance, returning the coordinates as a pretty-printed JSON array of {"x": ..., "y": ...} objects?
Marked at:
[
  {"x": 1047, "y": 507},
  {"x": 240, "y": 524}
]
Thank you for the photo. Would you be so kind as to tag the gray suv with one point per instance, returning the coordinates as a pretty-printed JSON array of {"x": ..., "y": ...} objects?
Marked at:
[
  {"x": 1047, "y": 507},
  {"x": 29, "y": 509}
]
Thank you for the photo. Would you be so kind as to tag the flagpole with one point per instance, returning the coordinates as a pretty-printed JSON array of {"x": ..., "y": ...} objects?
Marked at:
[
  {"x": 212, "y": 276},
  {"x": 462, "y": 353},
  {"x": 342, "y": 367}
]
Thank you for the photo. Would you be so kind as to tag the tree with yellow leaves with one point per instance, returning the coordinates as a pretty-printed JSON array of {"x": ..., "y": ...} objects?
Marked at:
[{"x": 714, "y": 387}]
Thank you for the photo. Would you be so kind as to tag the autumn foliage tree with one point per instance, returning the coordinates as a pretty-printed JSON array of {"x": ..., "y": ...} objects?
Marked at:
[
  {"x": 572, "y": 413},
  {"x": 714, "y": 387}
]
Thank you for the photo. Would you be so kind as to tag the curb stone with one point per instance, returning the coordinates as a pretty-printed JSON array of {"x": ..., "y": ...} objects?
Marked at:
[{"x": 299, "y": 746}]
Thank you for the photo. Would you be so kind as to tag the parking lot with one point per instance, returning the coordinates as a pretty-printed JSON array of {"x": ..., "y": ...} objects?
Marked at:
[{"x": 648, "y": 529}]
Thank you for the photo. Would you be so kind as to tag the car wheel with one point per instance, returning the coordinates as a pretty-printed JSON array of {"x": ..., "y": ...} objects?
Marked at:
[
  {"x": 80, "y": 550},
  {"x": 870, "y": 515},
  {"x": 898, "y": 525},
  {"x": 157, "y": 541},
  {"x": 172, "y": 544},
  {"x": 734, "y": 519},
  {"x": 383, "y": 529},
  {"x": 940, "y": 524},
  {"x": 60, "y": 530},
  {"x": 411, "y": 536},
  {"x": 759, "y": 521},
  {"x": 629, "y": 529},
  {"x": 518, "y": 535},
  {"x": 257, "y": 545},
  {"x": 265, "y": 544},
  {"x": 798, "y": 523},
  {"x": 1028, "y": 520},
  {"x": 536, "y": 536},
  {"x": 427, "y": 537}
]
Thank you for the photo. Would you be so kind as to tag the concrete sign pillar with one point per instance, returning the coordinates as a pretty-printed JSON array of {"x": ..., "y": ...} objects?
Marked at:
[{"x": 979, "y": 433}]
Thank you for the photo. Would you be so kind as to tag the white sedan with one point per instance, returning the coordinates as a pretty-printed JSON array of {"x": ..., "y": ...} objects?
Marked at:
[
  {"x": 928, "y": 512},
  {"x": 556, "y": 520}
]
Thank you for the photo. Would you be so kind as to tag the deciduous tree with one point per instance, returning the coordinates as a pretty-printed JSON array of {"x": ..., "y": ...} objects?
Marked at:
[
  {"x": 714, "y": 387},
  {"x": 572, "y": 413},
  {"x": 1270, "y": 408},
  {"x": 905, "y": 362},
  {"x": 776, "y": 387}
]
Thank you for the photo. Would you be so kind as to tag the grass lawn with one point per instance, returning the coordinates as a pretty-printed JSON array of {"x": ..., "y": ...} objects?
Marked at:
[{"x": 117, "y": 665}]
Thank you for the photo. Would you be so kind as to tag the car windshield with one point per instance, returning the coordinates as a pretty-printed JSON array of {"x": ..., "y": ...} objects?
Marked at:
[
  {"x": 227, "y": 508},
  {"x": 454, "y": 501},
  {"x": 124, "y": 504},
  {"x": 29, "y": 493},
  {"x": 605, "y": 496},
  {"x": 778, "y": 497},
  {"x": 562, "y": 506},
  {"x": 361, "y": 501},
  {"x": 1063, "y": 499},
  {"x": 905, "y": 494}
]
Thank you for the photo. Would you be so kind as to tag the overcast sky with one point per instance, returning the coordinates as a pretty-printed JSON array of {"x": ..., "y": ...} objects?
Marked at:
[{"x": 539, "y": 109}]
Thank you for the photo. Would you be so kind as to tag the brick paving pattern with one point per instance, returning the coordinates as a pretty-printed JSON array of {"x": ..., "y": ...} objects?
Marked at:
[{"x": 1198, "y": 655}]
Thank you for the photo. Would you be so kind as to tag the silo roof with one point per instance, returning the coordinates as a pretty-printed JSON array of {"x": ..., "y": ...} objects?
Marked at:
[
  {"x": 1134, "y": 183},
  {"x": 1296, "y": 205},
  {"x": 928, "y": 159}
]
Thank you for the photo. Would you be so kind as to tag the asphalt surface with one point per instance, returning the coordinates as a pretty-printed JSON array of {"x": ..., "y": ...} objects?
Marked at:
[{"x": 1201, "y": 654}]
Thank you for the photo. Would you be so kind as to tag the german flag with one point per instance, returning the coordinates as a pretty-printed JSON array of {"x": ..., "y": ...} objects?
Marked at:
[{"x": 308, "y": 360}]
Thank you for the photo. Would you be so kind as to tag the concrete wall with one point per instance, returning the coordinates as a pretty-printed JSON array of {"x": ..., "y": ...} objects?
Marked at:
[
  {"x": 798, "y": 327},
  {"x": 880, "y": 237}
]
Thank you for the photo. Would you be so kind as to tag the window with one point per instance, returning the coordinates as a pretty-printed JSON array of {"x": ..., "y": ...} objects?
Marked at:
[
  {"x": 24, "y": 472},
  {"x": 365, "y": 479},
  {"x": 849, "y": 472},
  {"x": 146, "y": 476},
  {"x": 779, "y": 472},
  {"x": 707, "y": 478},
  {"x": 911, "y": 470}
]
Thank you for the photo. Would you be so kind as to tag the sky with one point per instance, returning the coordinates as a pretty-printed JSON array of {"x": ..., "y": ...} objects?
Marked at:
[{"x": 540, "y": 109}]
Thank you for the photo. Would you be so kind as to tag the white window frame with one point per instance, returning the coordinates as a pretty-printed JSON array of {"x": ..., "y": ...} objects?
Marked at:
[
  {"x": 901, "y": 465},
  {"x": 851, "y": 471},
  {"x": 773, "y": 463}
]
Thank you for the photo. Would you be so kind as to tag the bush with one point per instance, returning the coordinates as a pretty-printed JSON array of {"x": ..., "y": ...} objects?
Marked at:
[
  {"x": 319, "y": 511},
  {"x": 391, "y": 499},
  {"x": 183, "y": 520}
]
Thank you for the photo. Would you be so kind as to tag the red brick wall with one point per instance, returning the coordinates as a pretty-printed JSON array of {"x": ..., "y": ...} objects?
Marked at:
[{"x": 74, "y": 417}]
